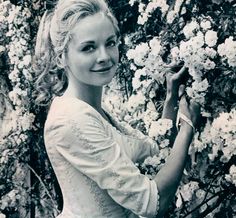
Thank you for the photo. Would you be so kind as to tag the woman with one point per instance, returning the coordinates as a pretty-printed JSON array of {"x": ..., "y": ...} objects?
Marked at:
[{"x": 92, "y": 155}]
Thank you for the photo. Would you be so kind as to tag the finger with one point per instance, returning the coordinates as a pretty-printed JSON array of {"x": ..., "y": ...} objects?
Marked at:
[
  {"x": 183, "y": 71},
  {"x": 173, "y": 65},
  {"x": 195, "y": 106},
  {"x": 181, "y": 90},
  {"x": 171, "y": 68},
  {"x": 183, "y": 101},
  {"x": 168, "y": 75}
]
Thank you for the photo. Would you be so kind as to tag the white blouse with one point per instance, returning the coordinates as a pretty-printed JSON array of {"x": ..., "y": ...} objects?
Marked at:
[{"x": 94, "y": 163}]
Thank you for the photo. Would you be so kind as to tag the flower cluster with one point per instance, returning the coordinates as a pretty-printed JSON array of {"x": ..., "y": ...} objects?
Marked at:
[
  {"x": 146, "y": 10},
  {"x": 14, "y": 143},
  {"x": 152, "y": 165},
  {"x": 148, "y": 56},
  {"x": 20, "y": 75},
  {"x": 196, "y": 51},
  {"x": 223, "y": 133},
  {"x": 159, "y": 131},
  {"x": 231, "y": 177},
  {"x": 227, "y": 51},
  {"x": 186, "y": 192},
  {"x": 160, "y": 127},
  {"x": 10, "y": 200}
]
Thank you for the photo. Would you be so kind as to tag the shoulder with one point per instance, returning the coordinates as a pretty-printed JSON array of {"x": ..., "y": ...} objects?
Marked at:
[
  {"x": 71, "y": 122},
  {"x": 66, "y": 114}
]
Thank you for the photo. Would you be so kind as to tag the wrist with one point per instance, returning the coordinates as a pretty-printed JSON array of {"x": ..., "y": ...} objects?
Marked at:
[
  {"x": 172, "y": 98},
  {"x": 186, "y": 134},
  {"x": 187, "y": 128}
]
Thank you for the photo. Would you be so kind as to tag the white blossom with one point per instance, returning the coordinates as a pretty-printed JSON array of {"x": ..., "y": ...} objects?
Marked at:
[
  {"x": 205, "y": 24},
  {"x": 2, "y": 215},
  {"x": 26, "y": 121},
  {"x": 197, "y": 91},
  {"x": 190, "y": 29},
  {"x": 138, "y": 54},
  {"x": 211, "y": 38},
  {"x": 2, "y": 49},
  {"x": 155, "y": 45},
  {"x": 160, "y": 127},
  {"x": 227, "y": 50},
  {"x": 223, "y": 135},
  {"x": 186, "y": 191},
  {"x": 231, "y": 177},
  {"x": 135, "y": 100},
  {"x": 131, "y": 2}
]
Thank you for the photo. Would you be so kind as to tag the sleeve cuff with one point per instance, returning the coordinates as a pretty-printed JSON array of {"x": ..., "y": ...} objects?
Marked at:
[{"x": 154, "y": 200}]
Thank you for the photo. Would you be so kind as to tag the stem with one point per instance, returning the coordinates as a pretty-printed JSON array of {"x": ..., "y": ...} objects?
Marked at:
[{"x": 42, "y": 183}]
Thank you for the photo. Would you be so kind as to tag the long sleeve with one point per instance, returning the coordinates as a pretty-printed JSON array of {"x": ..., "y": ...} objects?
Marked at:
[
  {"x": 84, "y": 141},
  {"x": 138, "y": 146}
]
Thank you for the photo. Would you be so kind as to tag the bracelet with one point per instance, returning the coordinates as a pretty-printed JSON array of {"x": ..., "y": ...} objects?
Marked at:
[{"x": 186, "y": 119}]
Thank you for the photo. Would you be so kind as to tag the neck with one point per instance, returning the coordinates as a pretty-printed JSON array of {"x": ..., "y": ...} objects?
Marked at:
[{"x": 90, "y": 94}]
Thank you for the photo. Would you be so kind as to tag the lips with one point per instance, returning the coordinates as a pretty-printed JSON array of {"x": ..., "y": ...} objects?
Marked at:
[{"x": 102, "y": 69}]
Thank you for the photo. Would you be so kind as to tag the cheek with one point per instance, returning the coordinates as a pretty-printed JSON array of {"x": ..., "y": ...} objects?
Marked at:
[{"x": 81, "y": 61}]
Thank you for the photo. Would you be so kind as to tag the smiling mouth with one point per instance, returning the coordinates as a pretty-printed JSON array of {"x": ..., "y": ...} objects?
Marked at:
[{"x": 102, "y": 69}]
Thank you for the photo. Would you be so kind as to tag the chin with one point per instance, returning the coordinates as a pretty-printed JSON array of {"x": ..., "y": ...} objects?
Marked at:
[{"x": 106, "y": 82}]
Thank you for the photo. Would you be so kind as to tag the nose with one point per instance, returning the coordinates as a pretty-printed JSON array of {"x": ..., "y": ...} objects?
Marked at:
[{"x": 103, "y": 56}]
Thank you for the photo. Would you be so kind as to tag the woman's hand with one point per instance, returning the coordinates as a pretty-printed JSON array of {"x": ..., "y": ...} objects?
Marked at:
[
  {"x": 191, "y": 110},
  {"x": 175, "y": 80}
]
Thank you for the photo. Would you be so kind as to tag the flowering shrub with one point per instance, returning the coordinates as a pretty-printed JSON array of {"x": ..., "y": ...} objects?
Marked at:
[
  {"x": 201, "y": 36},
  {"x": 17, "y": 183},
  {"x": 14, "y": 149},
  {"x": 197, "y": 34}
]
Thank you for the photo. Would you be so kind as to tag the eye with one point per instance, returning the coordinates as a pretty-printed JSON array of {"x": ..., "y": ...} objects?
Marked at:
[
  {"x": 88, "y": 48},
  {"x": 111, "y": 43}
]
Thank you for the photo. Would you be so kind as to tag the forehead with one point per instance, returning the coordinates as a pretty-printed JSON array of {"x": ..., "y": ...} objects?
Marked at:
[{"x": 93, "y": 28}]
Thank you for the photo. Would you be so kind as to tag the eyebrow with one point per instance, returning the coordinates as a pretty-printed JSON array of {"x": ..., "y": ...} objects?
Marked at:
[{"x": 91, "y": 42}]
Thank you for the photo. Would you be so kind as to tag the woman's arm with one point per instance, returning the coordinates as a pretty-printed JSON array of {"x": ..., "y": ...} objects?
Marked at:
[
  {"x": 169, "y": 176},
  {"x": 174, "y": 91}
]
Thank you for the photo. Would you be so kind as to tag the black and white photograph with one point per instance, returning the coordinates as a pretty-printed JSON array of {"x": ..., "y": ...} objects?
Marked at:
[{"x": 117, "y": 109}]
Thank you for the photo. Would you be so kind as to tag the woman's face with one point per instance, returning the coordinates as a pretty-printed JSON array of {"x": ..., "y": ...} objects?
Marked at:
[{"x": 92, "y": 54}]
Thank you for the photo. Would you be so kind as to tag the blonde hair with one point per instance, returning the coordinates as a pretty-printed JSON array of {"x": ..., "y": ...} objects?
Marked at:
[{"x": 53, "y": 36}]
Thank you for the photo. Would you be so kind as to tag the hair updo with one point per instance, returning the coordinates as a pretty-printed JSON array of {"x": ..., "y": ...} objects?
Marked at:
[{"x": 53, "y": 36}]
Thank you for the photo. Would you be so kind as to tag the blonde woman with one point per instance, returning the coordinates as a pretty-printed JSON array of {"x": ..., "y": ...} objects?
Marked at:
[{"x": 92, "y": 155}]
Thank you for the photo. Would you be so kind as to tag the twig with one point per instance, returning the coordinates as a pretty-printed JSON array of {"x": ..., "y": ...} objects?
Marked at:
[
  {"x": 211, "y": 185},
  {"x": 42, "y": 183},
  {"x": 7, "y": 98}
]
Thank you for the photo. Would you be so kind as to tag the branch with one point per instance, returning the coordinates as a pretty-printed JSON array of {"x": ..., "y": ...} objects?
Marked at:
[
  {"x": 212, "y": 207},
  {"x": 204, "y": 202}
]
